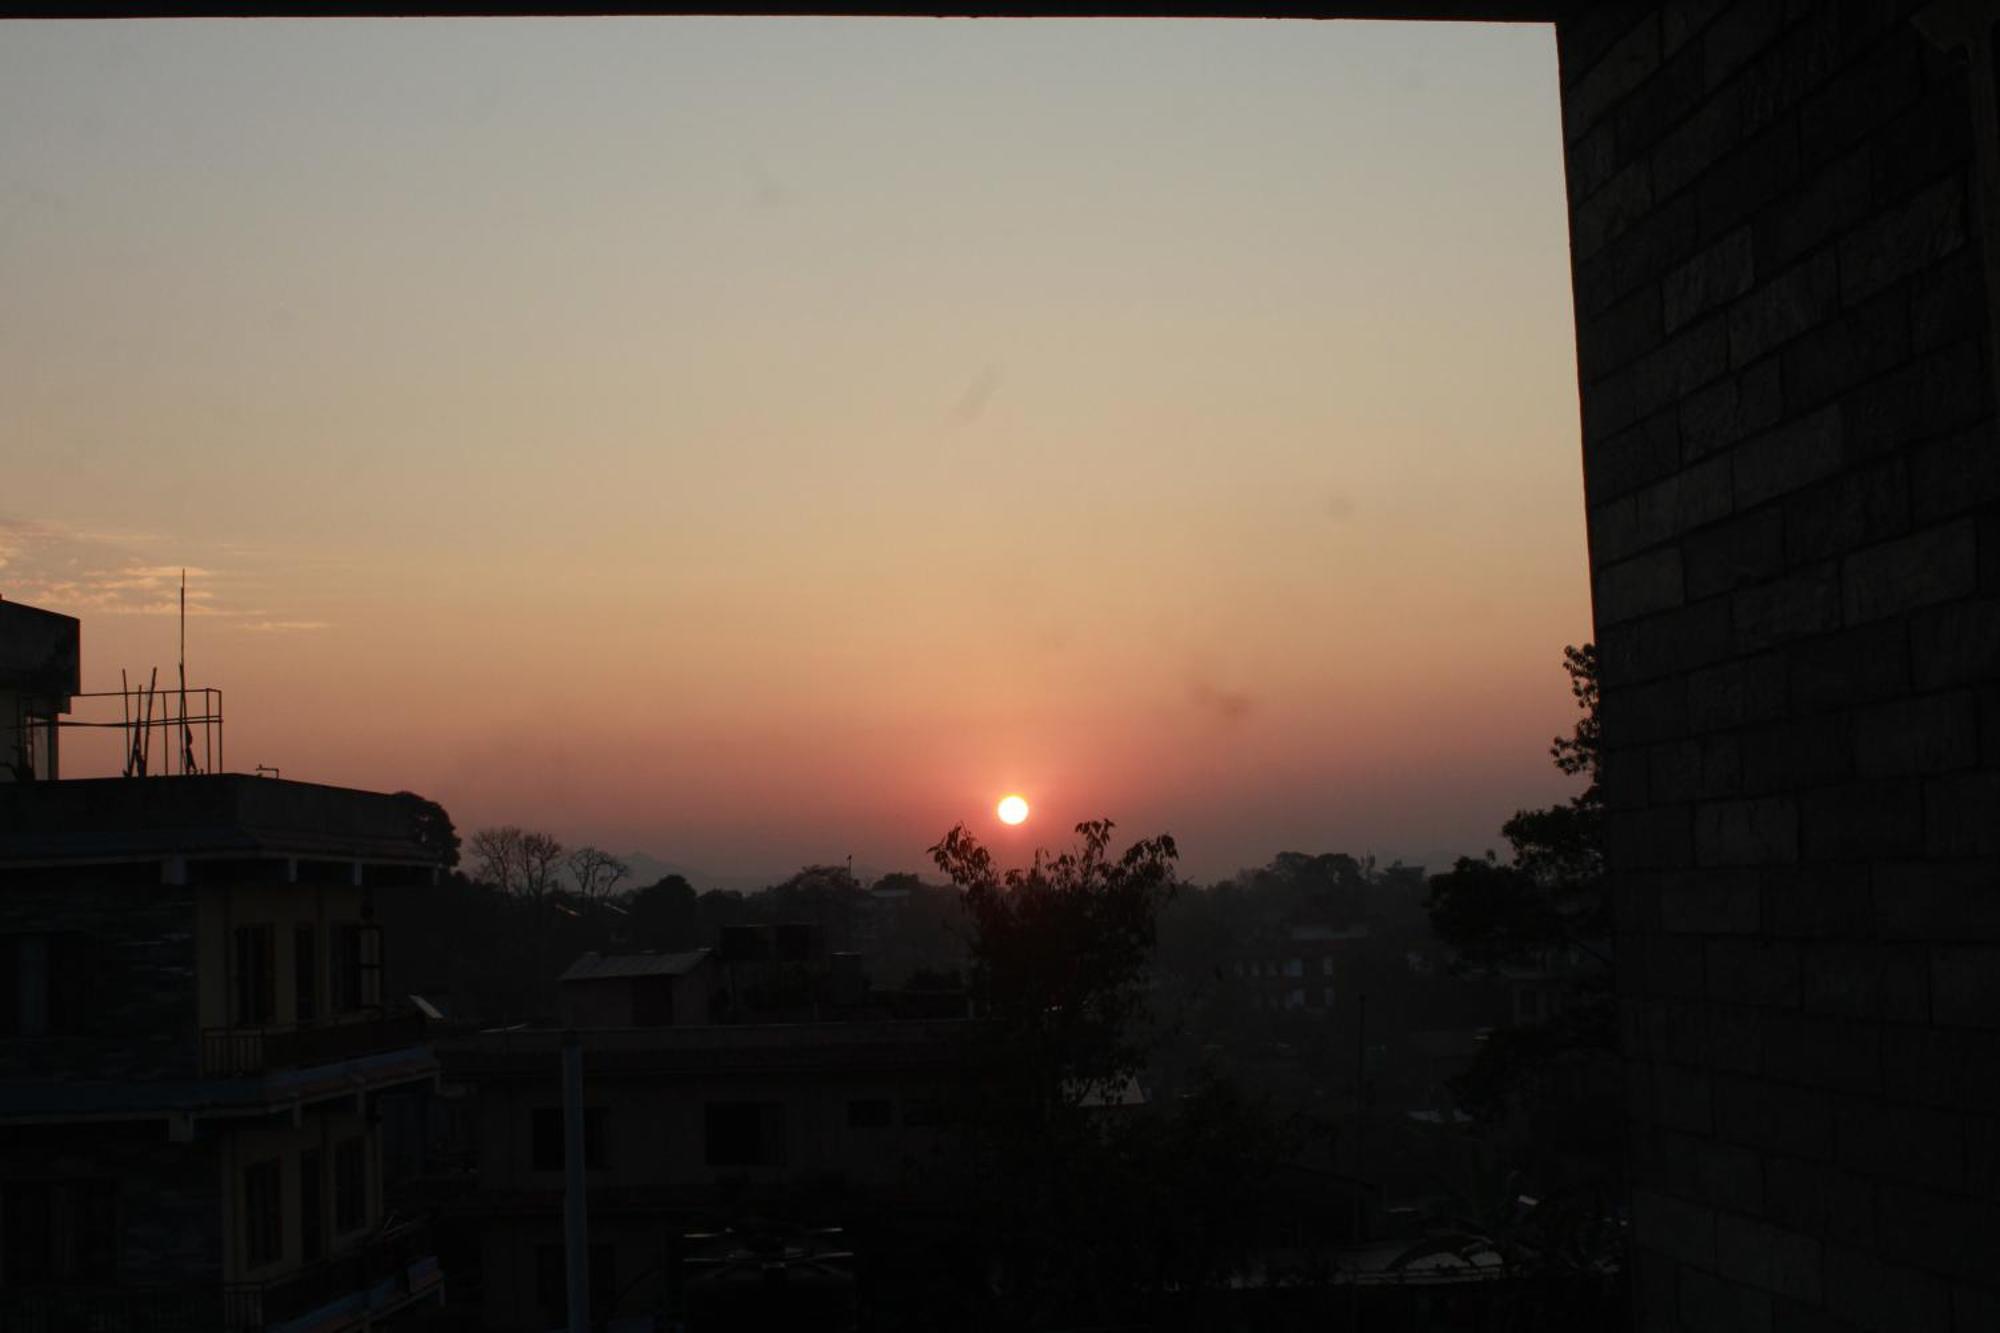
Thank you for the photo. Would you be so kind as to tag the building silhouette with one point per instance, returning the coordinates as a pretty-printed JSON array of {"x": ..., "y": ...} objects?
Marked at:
[
  {"x": 195, "y": 1050},
  {"x": 739, "y": 1106}
]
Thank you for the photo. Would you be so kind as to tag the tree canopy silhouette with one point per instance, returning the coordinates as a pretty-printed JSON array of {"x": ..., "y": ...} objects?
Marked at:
[
  {"x": 1060, "y": 951},
  {"x": 524, "y": 862},
  {"x": 1091, "y": 1203},
  {"x": 1551, "y": 900},
  {"x": 1547, "y": 913},
  {"x": 432, "y": 828},
  {"x": 664, "y": 915}
]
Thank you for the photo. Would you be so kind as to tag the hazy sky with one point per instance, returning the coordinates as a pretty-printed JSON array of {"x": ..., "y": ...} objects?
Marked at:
[{"x": 756, "y": 441}]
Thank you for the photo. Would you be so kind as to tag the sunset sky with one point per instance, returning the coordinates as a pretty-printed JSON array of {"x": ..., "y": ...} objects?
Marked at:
[{"x": 755, "y": 442}]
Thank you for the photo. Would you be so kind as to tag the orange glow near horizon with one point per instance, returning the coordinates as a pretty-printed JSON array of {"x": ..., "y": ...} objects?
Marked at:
[{"x": 750, "y": 442}]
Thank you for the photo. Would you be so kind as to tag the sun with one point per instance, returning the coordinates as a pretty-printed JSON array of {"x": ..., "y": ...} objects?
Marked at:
[{"x": 1012, "y": 809}]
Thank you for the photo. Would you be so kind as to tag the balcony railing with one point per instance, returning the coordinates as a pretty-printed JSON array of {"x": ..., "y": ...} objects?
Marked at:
[
  {"x": 259, "y": 1050},
  {"x": 79, "y": 1309},
  {"x": 389, "y": 1271}
]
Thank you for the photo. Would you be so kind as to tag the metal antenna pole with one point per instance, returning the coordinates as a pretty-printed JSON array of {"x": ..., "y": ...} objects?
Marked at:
[
  {"x": 187, "y": 737},
  {"x": 146, "y": 734},
  {"x": 125, "y": 711}
]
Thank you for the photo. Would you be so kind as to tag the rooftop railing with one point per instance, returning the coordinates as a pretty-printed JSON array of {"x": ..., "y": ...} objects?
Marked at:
[
  {"x": 242, "y": 1050},
  {"x": 92, "y": 1309},
  {"x": 392, "y": 1269}
]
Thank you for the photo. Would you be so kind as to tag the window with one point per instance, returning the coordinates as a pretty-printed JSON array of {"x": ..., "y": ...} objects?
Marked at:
[
  {"x": 305, "y": 973},
  {"x": 923, "y": 1111},
  {"x": 263, "y": 1212},
  {"x": 1326, "y": 997},
  {"x": 58, "y": 1231},
  {"x": 354, "y": 966},
  {"x": 552, "y": 1279},
  {"x": 256, "y": 976},
  {"x": 871, "y": 1113},
  {"x": 1295, "y": 998},
  {"x": 745, "y": 1133},
  {"x": 369, "y": 944},
  {"x": 344, "y": 967},
  {"x": 312, "y": 1206},
  {"x": 44, "y": 985},
  {"x": 547, "y": 1133},
  {"x": 1295, "y": 967},
  {"x": 350, "y": 1185},
  {"x": 1326, "y": 965}
]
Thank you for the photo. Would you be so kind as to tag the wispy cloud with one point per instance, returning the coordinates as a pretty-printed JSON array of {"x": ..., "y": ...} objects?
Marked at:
[
  {"x": 18, "y": 536},
  {"x": 120, "y": 588},
  {"x": 80, "y": 571}
]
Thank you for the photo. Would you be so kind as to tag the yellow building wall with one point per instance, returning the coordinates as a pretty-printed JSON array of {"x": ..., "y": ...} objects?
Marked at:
[
  {"x": 220, "y": 910},
  {"x": 279, "y": 1139}
]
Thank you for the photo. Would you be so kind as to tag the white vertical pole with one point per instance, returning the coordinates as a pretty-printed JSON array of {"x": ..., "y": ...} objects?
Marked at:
[{"x": 576, "y": 1250}]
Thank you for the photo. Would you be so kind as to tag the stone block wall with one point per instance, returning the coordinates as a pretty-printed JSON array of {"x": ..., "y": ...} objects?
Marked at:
[
  {"x": 167, "y": 1211},
  {"x": 1793, "y": 484},
  {"x": 137, "y": 944}
]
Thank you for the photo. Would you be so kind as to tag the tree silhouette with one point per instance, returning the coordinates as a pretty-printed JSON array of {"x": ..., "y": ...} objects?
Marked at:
[
  {"x": 1550, "y": 902},
  {"x": 517, "y": 861},
  {"x": 432, "y": 828},
  {"x": 496, "y": 857},
  {"x": 1060, "y": 952},
  {"x": 663, "y": 915},
  {"x": 825, "y": 895},
  {"x": 595, "y": 872},
  {"x": 1553, "y": 1081},
  {"x": 1061, "y": 1190}
]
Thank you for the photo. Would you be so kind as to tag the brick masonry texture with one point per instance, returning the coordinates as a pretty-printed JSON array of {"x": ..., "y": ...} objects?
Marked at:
[
  {"x": 1793, "y": 478},
  {"x": 140, "y": 1006},
  {"x": 169, "y": 1227}
]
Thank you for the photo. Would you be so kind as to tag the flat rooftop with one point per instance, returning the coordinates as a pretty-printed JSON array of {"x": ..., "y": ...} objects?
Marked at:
[
  {"x": 594, "y": 966},
  {"x": 64, "y": 1101},
  {"x": 202, "y": 814},
  {"x": 39, "y": 650}
]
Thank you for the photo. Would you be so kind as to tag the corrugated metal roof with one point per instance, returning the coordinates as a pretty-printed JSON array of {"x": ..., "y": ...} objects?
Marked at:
[{"x": 604, "y": 967}]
